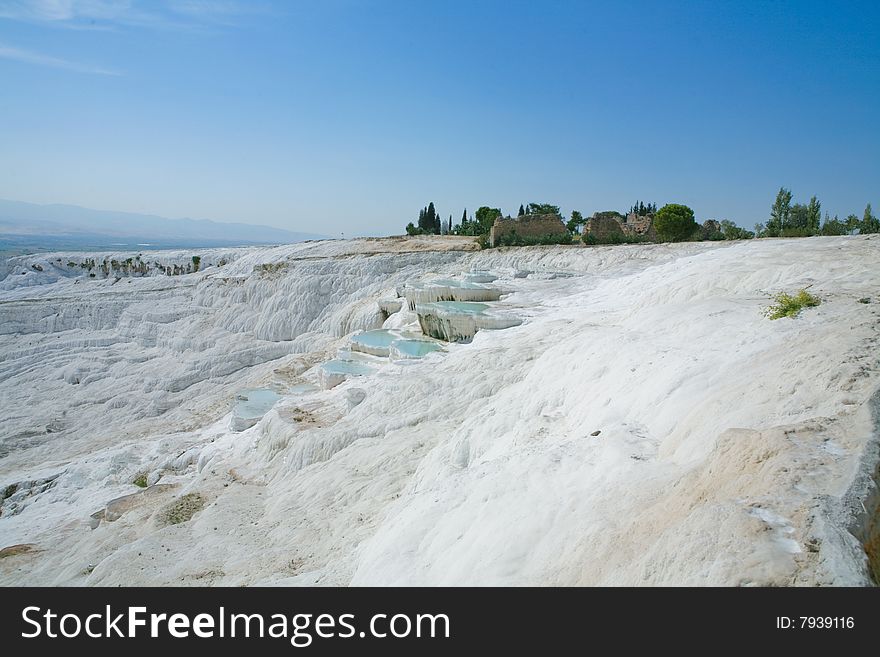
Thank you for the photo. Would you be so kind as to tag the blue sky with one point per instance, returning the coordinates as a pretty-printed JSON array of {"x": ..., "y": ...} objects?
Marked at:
[{"x": 349, "y": 115}]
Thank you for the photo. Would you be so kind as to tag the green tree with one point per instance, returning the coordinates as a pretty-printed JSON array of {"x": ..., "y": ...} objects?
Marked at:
[
  {"x": 870, "y": 223},
  {"x": 469, "y": 226},
  {"x": 814, "y": 215},
  {"x": 733, "y": 232},
  {"x": 431, "y": 223},
  {"x": 833, "y": 226},
  {"x": 780, "y": 213},
  {"x": 521, "y": 211},
  {"x": 575, "y": 222},
  {"x": 852, "y": 223},
  {"x": 486, "y": 217},
  {"x": 797, "y": 217},
  {"x": 674, "y": 222},
  {"x": 543, "y": 208}
]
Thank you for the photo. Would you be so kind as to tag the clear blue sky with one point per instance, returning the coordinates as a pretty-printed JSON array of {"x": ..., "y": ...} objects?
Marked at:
[{"x": 350, "y": 115}]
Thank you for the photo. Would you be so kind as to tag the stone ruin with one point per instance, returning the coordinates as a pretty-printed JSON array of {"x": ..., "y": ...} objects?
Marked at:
[
  {"x": 529, "y": 225},
  {"x": 710, "y": 229},
  {"x": 605, "y": 226}
]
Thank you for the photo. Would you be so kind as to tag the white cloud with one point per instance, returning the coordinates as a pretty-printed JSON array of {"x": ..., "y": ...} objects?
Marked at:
[
  {"x": 39, "y": 59},
  {"x": 178, "y": 14}
]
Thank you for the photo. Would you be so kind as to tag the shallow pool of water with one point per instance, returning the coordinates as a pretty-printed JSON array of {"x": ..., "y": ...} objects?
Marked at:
[
  {"x": 254, "y": 403},
  {"x": 346, "y": 367},
  {"x": 462, "y": 307},
  {"x": 377, "y": 339},
  {"x": 413, "y": 348}
]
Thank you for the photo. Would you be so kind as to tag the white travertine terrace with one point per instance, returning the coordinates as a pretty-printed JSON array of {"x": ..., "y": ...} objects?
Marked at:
[{"x": 645, "y": 424}]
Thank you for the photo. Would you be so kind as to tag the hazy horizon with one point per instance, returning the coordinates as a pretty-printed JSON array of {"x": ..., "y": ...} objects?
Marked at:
[{"x": 347, "y": 117}]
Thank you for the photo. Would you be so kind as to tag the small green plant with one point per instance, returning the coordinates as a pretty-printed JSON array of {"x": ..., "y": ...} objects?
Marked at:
[
  {"x": 865, "y": 300},
  {"x": 140, "y": 480},
  {"x": 182, "y": 509},
  {"x": 788, "y": 305}
]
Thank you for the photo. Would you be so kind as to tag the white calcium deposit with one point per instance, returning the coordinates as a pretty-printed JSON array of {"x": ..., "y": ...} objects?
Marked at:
[{"x": 645, "y": 424}]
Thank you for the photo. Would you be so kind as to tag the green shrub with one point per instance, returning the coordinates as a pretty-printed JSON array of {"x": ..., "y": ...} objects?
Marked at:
[
  {"x": 141, "y": 480},
  {"x": 733, "y": 232},
  {"x": 613, "y": 238},
  {"x": 513, "y": 239},
  {"x": 789, "y": 306}
]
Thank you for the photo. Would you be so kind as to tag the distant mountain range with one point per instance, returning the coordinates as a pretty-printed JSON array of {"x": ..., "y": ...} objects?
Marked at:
[{"x": 23, "y": 224}]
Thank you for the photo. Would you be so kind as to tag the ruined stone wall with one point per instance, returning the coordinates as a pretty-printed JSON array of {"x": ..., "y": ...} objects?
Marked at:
[
  {"x": 640, "y": 226},
  {"x": 603, "y": 227},
  {"x": 711, "y": 229},
  {"x": 529, "y": 225},
  {"x": 606, "y": 225}
]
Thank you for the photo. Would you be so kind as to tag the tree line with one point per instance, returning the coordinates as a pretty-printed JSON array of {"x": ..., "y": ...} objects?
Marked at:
[
  {"x": 673, "y": 222},
  {"x": 642, "y": 210},
  {"x": 479, "y": 223},
  {"x": 805, "y": 220}
]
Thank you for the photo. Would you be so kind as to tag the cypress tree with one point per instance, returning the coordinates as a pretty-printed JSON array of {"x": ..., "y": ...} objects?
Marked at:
[
  {"x": 522, "y": 210},
  {"x": 430, "y": 218}
]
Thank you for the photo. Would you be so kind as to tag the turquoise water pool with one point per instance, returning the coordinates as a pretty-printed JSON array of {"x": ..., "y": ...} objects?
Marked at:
[
  {"x": 480, "y": 277},
  {"x": 378, "y": 339},
  {"x": 462, "y": 307},
  {"x": 414, "y": 348},
  {"x": 254, "y": 403},
  {"x": 346, "y": 367}
]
